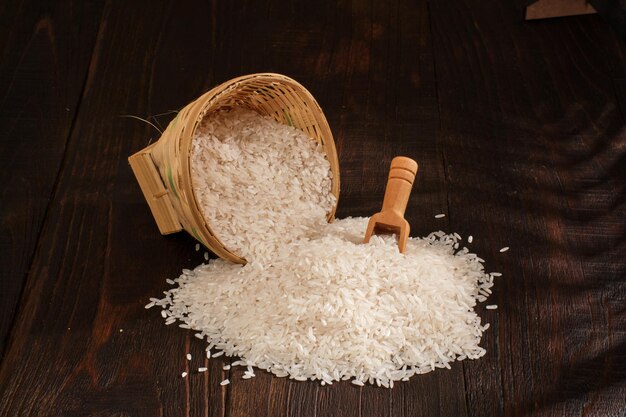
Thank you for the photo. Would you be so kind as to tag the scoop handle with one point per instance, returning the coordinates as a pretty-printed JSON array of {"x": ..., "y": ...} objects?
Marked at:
[{"x": 399, "y": 184}]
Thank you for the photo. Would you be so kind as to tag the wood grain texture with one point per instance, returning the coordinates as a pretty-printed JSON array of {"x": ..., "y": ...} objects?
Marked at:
[
  {"x": 68, "y": 355},
  {"x": 518, "y": 129},
  {"x": 535, "y": 107},
  {"x": 45, "y": 50}
]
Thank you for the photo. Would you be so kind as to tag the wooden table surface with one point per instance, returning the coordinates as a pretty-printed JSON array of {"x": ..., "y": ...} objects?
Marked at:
[{"x": 519, "y": 129}]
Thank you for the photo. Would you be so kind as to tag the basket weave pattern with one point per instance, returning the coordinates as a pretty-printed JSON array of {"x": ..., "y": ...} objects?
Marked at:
[{"x": 163, "y": 168}]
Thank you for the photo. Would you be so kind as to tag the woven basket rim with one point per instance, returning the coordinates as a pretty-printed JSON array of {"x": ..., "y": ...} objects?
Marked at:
[{"x": 201, "y": 107}]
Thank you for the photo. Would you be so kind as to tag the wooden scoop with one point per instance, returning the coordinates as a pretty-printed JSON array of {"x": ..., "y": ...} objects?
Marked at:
[{"x": 391, "y": 218}]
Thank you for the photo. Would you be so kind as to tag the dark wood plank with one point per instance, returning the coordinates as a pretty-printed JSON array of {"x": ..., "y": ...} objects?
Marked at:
[
  {"x": 518, "y": 130},
  {"x": 45, "y": 51},
  {"x": 84, "y": 344},
  {"x": 614, "y": 13},
  {"x": 534, "y": 146}
]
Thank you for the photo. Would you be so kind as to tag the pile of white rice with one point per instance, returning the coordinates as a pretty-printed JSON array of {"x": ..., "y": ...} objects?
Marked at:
[{"x": 313, "y": 302}]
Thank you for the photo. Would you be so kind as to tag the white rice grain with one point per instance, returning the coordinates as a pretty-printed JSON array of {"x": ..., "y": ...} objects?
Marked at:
[{"x": 313, "y": 302}]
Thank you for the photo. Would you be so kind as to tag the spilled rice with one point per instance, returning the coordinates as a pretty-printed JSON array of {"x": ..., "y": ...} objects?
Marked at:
[{"x": 313, "y": 302}]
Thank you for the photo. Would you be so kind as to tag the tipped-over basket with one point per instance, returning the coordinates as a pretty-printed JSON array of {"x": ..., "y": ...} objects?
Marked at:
[{"x": 163, "y": 168}]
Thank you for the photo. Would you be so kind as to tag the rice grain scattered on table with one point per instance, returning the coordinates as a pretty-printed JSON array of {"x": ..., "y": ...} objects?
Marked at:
[{"x": 313, "y": 302}]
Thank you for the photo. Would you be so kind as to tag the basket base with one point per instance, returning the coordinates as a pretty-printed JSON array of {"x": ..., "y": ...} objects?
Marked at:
[{"x": 155, "y": 192}]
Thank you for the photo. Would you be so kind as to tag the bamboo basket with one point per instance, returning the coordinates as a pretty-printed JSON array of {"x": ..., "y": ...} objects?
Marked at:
[{"x": 163, "y": 168}]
